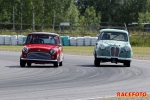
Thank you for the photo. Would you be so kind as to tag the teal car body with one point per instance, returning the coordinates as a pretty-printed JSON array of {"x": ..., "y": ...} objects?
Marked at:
[{"x": 113, "y": 46}]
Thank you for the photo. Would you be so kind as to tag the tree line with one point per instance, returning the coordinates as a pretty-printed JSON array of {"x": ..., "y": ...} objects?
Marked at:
[{"x": 76, "y": 12}]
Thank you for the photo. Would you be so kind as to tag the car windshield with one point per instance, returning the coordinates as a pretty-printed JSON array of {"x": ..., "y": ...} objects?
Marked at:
[
  {"x": 118, "y": 36},
  {"x": 41, "y": 39}
]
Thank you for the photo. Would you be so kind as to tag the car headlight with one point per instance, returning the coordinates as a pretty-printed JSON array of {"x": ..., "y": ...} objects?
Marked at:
[
  {"x": 127, "y": 48},
  {"x": 25, "y": 50},
  {"x": 52, "y": 51},
  {"x": 102, "y": 46}
]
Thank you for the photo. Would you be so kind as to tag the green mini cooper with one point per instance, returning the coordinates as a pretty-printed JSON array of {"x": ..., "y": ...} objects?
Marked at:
[{"x": 113, "y": 46}]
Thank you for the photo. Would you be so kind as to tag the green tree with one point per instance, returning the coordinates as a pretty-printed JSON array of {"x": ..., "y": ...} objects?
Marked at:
[
  {"x": 90, "y": 14},
  {"x": 107, "y": 8},
  {"x": 144, "y": 17},
  {"x": 91, "y": 18},
  {"x": 45, "y": 11},
  {"x": 131, "y": 8},
  {"x": 115, "y": 10}
]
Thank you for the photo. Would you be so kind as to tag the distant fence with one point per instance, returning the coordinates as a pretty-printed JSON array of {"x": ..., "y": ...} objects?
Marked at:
[
  {"x": 75, "y": 30},
  {"x": 71, "y": 30}
]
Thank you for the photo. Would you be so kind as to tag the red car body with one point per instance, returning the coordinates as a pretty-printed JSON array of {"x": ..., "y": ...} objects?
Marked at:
[{"x": 42, "y": 48}]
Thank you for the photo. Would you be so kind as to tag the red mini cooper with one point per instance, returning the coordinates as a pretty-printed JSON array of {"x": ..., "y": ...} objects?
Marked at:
[{"x": 42, "y": 48}]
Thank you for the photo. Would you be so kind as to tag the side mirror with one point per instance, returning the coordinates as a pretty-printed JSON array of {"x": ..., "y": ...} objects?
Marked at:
[
  {"x": 24, "y": 43},
  {"x": 60, "y": 45},
  {"x": 129, "y": 35},
  {"x": 97, "y": 34}
]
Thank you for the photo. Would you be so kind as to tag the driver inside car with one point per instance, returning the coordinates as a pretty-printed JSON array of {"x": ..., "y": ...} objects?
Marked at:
[
  {"x": 106, "y": 36},
  {"x": 52, "y": 40},
  {"x": 38, "y": 40}
]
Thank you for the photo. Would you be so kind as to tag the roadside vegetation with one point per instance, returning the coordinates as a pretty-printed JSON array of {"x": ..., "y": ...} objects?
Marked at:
[{"x": 78, "y": 50}]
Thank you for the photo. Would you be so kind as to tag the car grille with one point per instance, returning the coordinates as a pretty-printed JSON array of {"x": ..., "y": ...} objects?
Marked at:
[
  {"x": 114, "y": 51},
  {"x": 38, "y": 55}
]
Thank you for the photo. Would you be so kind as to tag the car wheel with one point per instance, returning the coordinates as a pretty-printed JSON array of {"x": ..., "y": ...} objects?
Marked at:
[
  {"x": 127, "y": 63},
  {"x": 28, "y": 64},
  {"x": 96, "y": 61},
  {"x": 56, "y": 64},
  {"x": 61, "y": 63},
  {"x": 22, "y": 63}
]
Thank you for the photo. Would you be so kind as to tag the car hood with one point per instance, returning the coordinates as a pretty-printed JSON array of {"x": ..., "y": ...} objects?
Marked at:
[
  {"x": 40, "y": 47},
  {"x": 113, "y": 42}
]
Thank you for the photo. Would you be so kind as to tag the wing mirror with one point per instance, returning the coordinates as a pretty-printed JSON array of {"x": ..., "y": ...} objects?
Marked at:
[
  {"x": 60, "y": 45},
  {"x": 24, "y": 43},
  {"x": 129, "y": 35}
]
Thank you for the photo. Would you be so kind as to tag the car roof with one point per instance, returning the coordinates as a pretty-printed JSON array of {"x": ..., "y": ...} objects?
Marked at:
[
  {"x": 49, "y": 33},
  {"x": 113, "y": 30}
]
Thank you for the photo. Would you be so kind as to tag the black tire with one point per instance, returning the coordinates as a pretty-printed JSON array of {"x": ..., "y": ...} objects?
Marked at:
[
  {"x": 61, "y": 63},
  {"x": 56, "y": 64},
  {"x": 28, "y": 64},
  {"x": 127, "y": 63},
  {"x": 96, "y": 61},
  {"x": 22, "y": 63}
]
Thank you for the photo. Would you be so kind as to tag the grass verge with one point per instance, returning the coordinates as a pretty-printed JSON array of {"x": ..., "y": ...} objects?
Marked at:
[{"x": 138, "y": 52}]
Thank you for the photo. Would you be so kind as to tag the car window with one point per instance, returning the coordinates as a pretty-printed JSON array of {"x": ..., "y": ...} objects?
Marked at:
[
  {"x": 41, "y": 39},
  {"x": 118, "y": 36}
]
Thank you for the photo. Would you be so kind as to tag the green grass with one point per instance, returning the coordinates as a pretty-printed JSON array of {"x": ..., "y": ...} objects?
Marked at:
[
  {"x": 10, "y": 48},
  {"x": 140, "y": 41},
  {"x": 88, "y": 50},
  {"x": 80, "y": 50},
  {"x": 141, "y": 50}
]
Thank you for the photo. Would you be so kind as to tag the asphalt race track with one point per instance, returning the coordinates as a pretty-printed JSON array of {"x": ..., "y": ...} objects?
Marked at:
[{"x": 77, "y": 79}]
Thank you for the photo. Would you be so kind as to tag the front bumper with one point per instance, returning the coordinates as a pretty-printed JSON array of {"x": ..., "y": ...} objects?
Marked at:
[
  {"x": 118, "y": 58},
  {"x": 39, "y": 60}
]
